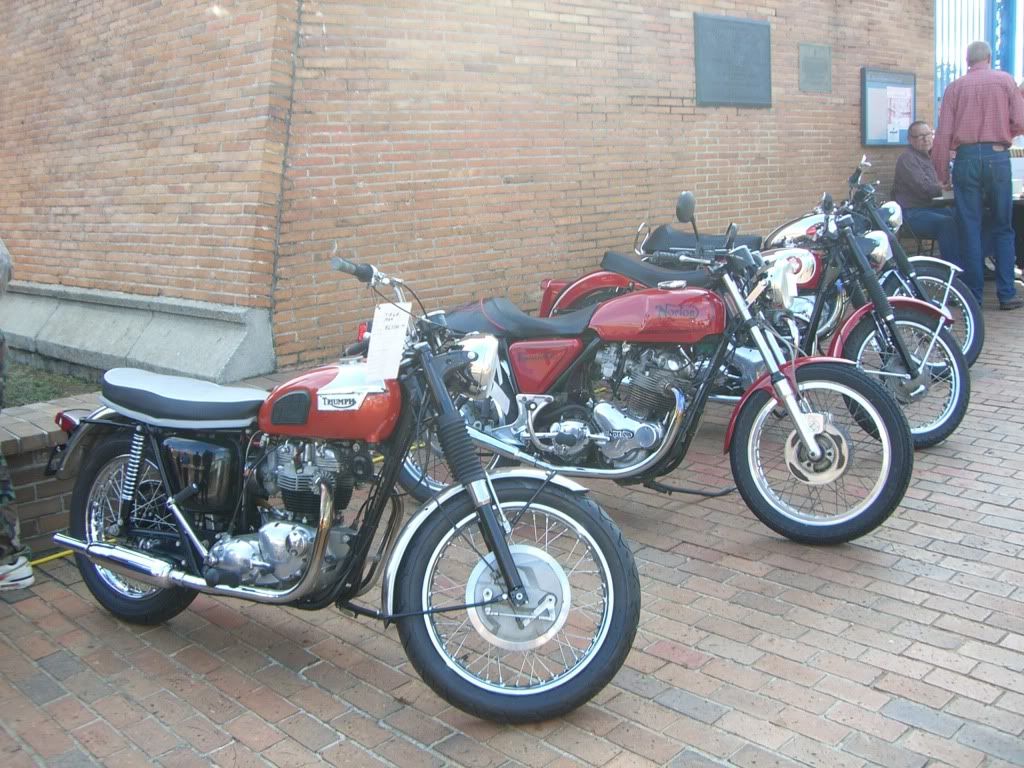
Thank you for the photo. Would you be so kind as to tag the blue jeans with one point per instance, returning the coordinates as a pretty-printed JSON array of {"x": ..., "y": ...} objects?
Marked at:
[
  {"x": 981, "y": 180},
  {"x": 938, "y": 224}
]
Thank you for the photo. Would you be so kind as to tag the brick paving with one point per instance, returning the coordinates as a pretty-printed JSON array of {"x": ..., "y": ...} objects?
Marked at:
[{"x": 905, "y": 648}]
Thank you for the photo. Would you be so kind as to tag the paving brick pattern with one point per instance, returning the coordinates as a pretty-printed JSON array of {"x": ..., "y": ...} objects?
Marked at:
[{"x": 903, "y": 649}]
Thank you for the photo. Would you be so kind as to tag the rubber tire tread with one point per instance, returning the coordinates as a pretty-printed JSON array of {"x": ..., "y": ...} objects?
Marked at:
[
  {"x": 894, "y": 489},
  {"x": 158, "y": 607},
  {"x": 526, "y": 708},
  {"x": 866, "y": 327}
]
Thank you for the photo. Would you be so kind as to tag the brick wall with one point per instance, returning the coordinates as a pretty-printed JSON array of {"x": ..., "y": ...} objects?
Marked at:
[
  {"x": 141, "y": 145},
  {"x": 471, "y": 147},
  {"x": 476, "y": 147}
]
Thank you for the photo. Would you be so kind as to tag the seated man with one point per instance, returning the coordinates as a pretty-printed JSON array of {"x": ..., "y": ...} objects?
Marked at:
[{"x": 914, "y": 187}]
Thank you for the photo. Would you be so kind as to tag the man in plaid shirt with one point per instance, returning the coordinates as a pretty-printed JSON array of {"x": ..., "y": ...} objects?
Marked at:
[{"x": 981, "y": 113}]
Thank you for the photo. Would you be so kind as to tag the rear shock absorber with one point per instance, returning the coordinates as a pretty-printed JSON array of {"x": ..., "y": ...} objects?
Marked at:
[{"x": 130, "y": 481}]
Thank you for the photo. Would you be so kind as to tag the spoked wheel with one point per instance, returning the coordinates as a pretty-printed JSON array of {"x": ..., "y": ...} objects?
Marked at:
[
  {"x": 934, "y": 398},
  {"x": 520, "y": 663},
  {"x": 968, "y": 328},
  {"x": 862, "y": 473},
  {"x": 424, "y": 471},
  {"x": 95, "y": 517}
]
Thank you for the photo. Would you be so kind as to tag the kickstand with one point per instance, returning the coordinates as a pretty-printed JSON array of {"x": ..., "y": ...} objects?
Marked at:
[{"x": 654, "y": 485}]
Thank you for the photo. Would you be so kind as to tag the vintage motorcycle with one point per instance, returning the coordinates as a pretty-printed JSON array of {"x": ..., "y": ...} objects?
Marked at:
[
  {"x": 903, "y": 341},
  {"x": 516, "y": 597},
  {"x": 921, "y": 277},
  {"x": 818, "y": 450}
]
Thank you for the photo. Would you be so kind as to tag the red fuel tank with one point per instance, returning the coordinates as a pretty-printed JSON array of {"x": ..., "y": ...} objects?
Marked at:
[
  {"x": 658, "y": 316},
  {"x": 333, "y": 403}
]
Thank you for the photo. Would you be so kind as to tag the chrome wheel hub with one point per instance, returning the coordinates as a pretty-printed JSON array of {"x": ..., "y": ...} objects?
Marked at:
[
  {"x": 836, "y": 448},
  {"x": 525, "y": 627}
]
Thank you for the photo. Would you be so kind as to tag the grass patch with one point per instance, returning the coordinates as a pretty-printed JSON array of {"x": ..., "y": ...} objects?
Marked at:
[{"x": 26, "y": 384}]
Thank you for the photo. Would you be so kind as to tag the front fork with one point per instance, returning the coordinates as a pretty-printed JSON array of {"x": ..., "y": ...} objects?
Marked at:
[
  {"x": 460, "y": 453},
  {"x": 784, "y": 386}
]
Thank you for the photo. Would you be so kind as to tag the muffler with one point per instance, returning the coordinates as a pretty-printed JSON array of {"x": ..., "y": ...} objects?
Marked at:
[{"x": 127, "y": 562}]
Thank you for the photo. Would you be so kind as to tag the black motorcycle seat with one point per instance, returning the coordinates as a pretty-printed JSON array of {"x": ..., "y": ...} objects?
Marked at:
[
  {"x": 500, "y": 317},
  {"x": 649, "y": 274},
  {"x": 667, "y": 238},
  {"x": 177, "y": 401}
]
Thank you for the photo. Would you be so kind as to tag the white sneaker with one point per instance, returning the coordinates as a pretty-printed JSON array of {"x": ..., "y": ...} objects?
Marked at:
[{"x": 16, "y": 575}]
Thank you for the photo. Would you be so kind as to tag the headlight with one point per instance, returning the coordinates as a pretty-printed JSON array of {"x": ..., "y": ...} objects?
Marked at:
[
  {"x": 882, "y": 251},
  {"x": 782, "y": 283},
  {"x": 893, "y": 215},
  {"x": 485, "y": 366}
]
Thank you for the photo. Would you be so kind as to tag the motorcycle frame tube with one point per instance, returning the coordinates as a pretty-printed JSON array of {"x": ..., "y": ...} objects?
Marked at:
[
  {"x": 906, "y": 302},
  {"x": 764, "y": 382},
  {"x": 595, "y": 281},
  {"x": 389, "y": 577}
]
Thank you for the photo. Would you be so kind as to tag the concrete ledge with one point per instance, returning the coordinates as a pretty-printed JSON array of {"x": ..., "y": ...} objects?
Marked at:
[{"x": 102, "y": 329}]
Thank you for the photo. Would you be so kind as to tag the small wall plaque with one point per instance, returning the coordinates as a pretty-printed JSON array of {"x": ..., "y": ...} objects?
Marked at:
[
  {"x": 815, "y": 68},
  {"x": 733, "y": 61}
]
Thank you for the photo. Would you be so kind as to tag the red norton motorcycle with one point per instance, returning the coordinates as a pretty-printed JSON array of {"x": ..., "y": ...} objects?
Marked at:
[
  {"x": 819, "y": 452},
  {"x": 516, "y": 597}
]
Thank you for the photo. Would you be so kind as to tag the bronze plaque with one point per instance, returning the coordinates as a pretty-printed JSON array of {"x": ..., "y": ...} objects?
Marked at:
[
  {"x": 815, "y": 68},
  {"x": 733, "y": 61}
]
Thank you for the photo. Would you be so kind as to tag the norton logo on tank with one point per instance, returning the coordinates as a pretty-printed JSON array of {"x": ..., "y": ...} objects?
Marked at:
[
  {"x": 340, "y": 401},
  {"x": 682, "y": 311}
]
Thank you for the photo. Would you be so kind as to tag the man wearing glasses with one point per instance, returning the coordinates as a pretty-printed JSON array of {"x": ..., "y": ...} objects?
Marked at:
[{"x": 916, "y": 185}]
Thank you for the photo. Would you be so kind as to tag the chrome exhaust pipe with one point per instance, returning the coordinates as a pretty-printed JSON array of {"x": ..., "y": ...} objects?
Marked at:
[
  {"x": 160, "y": 573},
  {"x": 485, "y": 440},
  {"x": 127, "y": 562}
]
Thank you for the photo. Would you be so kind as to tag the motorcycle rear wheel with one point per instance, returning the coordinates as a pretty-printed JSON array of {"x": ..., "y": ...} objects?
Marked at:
[
  {"x": 968, "y": 327},
  {"x": 859, "y": 483},
  {"x": 935, "y": 405},
  {"x": 95, "y": 503},
  {"x": 582, "y": 613}
]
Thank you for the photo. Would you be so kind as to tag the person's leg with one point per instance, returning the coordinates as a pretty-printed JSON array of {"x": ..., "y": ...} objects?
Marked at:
[
  {"x": 996, "y": 177},
  {"x": 939, "y": 224},
  {"x": 15, "y": 569},
  {"x": 967, "y": 204}
]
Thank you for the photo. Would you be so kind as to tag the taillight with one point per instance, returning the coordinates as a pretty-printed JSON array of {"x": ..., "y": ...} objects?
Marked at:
[
  {"x": 67, "y": 421},
  {"x": 362, "y": 330}
]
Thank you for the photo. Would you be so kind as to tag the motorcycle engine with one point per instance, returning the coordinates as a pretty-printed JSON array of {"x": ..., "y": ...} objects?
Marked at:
[
  {"x": 641, "y": 379},
  {"x": 287, "y": 482}
]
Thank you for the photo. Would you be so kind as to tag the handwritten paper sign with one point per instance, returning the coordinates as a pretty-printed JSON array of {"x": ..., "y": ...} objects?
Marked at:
[{"x": 387, "y": 341}]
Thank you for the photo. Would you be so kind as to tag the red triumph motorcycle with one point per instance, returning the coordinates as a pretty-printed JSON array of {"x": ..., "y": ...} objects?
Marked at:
[
  {"x": 818, "y": 450},
  {"x": 516, "y": 597}
]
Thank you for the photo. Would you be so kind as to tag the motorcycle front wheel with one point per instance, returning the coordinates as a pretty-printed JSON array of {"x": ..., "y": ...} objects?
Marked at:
[
  {"x": 530, "y": 663},
  {"x": 857, "y": 483},
  {"x": 935, "y": 399},
  {"x": 968, "y": 327}
]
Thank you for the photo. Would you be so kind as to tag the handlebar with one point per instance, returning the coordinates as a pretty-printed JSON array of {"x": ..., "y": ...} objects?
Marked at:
[{"x": 363, "y": 272}]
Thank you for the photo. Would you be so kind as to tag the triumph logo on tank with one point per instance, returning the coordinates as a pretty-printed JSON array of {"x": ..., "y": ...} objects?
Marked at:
[{"x": 340, "y": 401}]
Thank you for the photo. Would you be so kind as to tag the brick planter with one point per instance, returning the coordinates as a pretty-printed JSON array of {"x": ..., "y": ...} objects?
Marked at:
[{"x": 27, "y": 433}]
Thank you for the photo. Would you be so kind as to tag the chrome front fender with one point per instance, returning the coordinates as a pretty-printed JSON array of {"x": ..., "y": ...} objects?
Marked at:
[
  {"x": 83, "y": 438},
  {"x": 953, "y": 268},
  {"x": 390, "y": 575}
]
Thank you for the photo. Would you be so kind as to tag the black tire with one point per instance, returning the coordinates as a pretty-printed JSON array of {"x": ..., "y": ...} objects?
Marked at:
[
  {"x": 127, "y": 600},
  {"x": 514, "y": 698},
  {"x": 936, "y": 404},
  {"x": 871, "y": 457},
  {"x": 968, "y": 327}
]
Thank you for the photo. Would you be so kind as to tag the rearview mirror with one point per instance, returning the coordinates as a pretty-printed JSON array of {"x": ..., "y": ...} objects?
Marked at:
[
  {"x": 685, "y": 207},
  {"x": 826, "y": 203},
  {"x": 864, "y": 163}
]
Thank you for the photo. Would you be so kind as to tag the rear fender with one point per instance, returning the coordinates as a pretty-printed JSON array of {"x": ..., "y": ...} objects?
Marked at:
[
  {"x": 549, "y": 292},
  {"x": 935, "y": 262},
  {"x": 835, "y": 347},
  {"x": 764, "y": 382},
  {"x": 498, "y": 478},
  {"x": 588, "y": 284},
  {"x": 84, "y": 437}
]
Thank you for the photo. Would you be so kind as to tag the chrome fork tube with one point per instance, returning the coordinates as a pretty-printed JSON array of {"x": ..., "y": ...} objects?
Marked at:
[{"x": 774, "y": 359}]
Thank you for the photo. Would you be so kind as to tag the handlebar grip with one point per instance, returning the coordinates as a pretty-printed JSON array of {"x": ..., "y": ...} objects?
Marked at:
[{"x": 362, "y": 272}]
